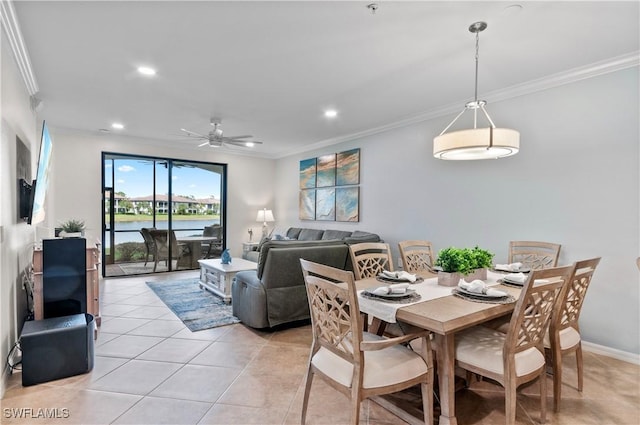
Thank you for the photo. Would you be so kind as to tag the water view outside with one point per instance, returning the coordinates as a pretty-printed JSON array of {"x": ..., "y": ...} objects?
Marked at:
[{"x": 131, "y": 229}]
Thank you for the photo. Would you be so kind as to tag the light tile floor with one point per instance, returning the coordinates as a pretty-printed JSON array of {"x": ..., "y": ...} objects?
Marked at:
[{"x": 150, "y": 369}]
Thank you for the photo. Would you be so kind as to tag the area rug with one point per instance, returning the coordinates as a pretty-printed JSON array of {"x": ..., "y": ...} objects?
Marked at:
[{"x": 198, "y": 308}]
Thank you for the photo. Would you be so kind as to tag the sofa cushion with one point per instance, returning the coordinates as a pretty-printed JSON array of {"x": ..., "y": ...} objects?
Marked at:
[
  {"x": 294, "y": 232},
  {"x": 310, "y": 234},
  {"x": 360, "y": 237},
  {"x": 264, "y": 251},
  {"x": 335, "y": 234}
]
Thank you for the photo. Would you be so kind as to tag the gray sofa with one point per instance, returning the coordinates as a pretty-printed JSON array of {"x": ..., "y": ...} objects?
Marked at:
[{"x": 274, "y": 293}]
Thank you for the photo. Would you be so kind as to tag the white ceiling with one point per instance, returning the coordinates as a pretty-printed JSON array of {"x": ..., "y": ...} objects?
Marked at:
[{"x": 270, "y": 69}]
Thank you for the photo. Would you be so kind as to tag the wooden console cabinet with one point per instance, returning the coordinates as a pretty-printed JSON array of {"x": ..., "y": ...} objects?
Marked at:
[{"x": 92, "y": 278}]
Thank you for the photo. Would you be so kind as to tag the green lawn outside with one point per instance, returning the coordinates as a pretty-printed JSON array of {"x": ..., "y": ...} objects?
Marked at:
[{"x": 176, "y": 217}]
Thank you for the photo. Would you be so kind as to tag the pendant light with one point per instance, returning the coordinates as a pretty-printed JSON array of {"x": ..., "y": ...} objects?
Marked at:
[{"x": 476, "y": 143}]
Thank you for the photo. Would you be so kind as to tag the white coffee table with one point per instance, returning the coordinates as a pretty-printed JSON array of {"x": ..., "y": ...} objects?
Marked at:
[{"x": 217, "y": 277}]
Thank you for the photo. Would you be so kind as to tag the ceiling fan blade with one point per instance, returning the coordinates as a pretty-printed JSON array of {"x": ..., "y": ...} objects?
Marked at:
[
  {"x": 245, "y": 136},
  {"x": 192, "y": 133},
  {"x": 241, "y": 143}
]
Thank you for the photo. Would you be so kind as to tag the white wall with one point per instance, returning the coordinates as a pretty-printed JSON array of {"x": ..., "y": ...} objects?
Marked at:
[
  {"x": 16, "y": 238},
  {"x": 75, "y": 190},
  {"x": 574, "y": 182}
]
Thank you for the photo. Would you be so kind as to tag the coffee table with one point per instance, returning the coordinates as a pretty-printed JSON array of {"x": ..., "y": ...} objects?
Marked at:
[{"x": 217, "y": 277}]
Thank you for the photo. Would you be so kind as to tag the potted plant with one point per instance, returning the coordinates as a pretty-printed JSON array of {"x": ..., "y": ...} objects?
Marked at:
[
  {"x": 462, "y": 263},
  {"x": 72, "y": 228}
]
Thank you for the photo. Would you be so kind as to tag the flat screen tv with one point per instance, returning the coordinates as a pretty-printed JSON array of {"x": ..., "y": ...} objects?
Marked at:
[{"x": 35, "y": 209}]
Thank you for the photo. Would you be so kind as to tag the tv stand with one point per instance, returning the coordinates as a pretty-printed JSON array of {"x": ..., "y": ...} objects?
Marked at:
[{"x": 92, "y": 282}]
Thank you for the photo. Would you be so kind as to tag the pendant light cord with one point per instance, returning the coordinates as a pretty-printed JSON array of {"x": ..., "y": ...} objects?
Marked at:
[{"x": 477, "y": 55}]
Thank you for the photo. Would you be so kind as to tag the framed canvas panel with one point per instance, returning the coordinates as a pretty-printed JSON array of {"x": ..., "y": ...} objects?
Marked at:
[
  {"x": 348, "y": 203},
  {"x": 308, "y": 173},
  {"x": 348, "y": 167},
  {"x": 307, "y": 204},
  {"x": 326, "y": 170},
  {"x": 326, "y": 204}
]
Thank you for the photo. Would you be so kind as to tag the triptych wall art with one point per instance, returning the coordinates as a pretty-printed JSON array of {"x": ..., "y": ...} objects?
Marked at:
[{"x": 329, "y": 188}]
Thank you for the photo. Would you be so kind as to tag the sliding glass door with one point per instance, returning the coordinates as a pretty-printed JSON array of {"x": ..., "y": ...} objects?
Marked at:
[{"x": 161, "y": 214}]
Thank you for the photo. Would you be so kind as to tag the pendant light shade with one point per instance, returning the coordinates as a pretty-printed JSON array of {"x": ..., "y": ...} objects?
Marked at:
[{"x": 476, "y": 143}]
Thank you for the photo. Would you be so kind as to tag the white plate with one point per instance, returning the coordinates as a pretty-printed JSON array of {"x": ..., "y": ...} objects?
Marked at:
[
  {"x": 513, "y": 282},
  {"x": 409, "y": 293},
  {"x": 522, "y": 270},
  {"x": 475, "y": 294},
  {"x": 384, "y": 278}
]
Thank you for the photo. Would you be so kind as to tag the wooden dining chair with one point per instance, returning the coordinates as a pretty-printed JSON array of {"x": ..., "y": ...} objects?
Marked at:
[
  {"x": 534, "y": 255},
  {"x": 516, "y": 357},
  {"x": 357, "y": 363},
  {"x": 564, "y": 332},
  {"x": 369, "y": 259},
  {"x": 417, "y": 255}
]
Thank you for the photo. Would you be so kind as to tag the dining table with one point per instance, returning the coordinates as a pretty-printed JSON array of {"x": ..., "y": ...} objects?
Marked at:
[
  {"x": 442, "y": 313},
  {"x": 195, "y": 245}
]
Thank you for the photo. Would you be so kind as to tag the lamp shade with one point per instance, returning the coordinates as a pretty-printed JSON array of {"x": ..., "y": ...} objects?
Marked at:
[
  {"x": 477, "y": 143},
  {"x": 265, "y": 216}
]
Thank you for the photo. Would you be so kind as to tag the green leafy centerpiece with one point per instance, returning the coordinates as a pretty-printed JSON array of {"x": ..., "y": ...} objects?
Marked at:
[{"x": 463, "y": 263}]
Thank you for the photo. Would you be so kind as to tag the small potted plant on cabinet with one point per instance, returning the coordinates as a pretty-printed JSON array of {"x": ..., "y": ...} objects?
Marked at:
[
  {"x": 72, "y": 228},
  {"x": 462, "y": 263}
]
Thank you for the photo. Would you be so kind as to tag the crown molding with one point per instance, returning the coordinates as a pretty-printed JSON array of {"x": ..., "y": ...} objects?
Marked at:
[
  {"x": 14, "y": 35},
  {"x": 610, "y": 65}
]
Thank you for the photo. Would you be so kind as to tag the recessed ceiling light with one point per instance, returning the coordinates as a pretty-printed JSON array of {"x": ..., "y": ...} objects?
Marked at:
[
  {"x": 330, "y": 113},
  {"x": 512, "y": 9},
  {"x": 145, "y": 70},
  {"x": 117, "y": 126},
  {"x": 249, "y": 144}
]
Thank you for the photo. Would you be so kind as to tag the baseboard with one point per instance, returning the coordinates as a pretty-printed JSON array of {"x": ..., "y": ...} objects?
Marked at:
[
  {"x": 4, "y": 381},
  {"x": 611, "y": 352}
]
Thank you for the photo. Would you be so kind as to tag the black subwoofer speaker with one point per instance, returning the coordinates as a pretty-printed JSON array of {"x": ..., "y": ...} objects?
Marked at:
[
  {"x": 56, "y": 348},
  {"x": 64, "y": 277}
]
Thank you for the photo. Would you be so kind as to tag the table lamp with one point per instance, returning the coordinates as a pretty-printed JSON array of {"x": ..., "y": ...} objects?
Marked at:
[{"x": 265, "y": 215}]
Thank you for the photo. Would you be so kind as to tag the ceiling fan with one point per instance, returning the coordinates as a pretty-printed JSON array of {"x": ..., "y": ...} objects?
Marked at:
[{"x": 216, "y": 137}]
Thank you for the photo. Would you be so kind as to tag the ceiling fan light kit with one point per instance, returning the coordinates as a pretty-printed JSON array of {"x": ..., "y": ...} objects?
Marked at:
[{"x": 476, "y": 143}]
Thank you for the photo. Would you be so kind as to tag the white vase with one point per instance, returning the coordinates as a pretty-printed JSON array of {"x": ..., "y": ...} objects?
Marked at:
[
  {"x": 452, "y": 279},
  {"x": 71, "y": 234}
]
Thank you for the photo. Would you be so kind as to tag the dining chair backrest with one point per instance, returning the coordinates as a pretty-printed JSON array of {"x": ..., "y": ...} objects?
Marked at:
[
  {"x": 569, "y": 305},
  {"x": 212, "y": 231},
  {"x": 149, "y": 244},
  {"x": 417, "y": 255},
  {"x": 212, "y": 247},
  {"x": 162, "y": 238},
  {"x": 533, "y": 254},
  {"x": 332, "y": 297},
  {"x": 146, "y": 236},
  {"x": 369, "y": 259},
  {"x": 532, "y": 311}
]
